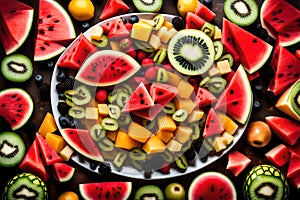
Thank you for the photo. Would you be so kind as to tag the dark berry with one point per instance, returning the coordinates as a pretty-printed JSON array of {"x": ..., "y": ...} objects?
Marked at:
[
  {"x": 69, "y": 83},
  {"x": 61, "y": 87},
  {"x": 207, "y": 3},
  {"x": 148, "y": 174},
  {"x": 124, "y": 20},
  {"x": 190, "y": 154},
  {"x": 61, "y": 76},
  {"x": 85, "y": 26},
  {"x": 63, "y": 108},
  {"x": 64, "y": 121},
  {"x": 50, "y": 64},
  {"x": 61, "y": 96},
  {"x": 104, "y": 168},
  {"x": 93, "y": 165},
  {"x": 256, "y": 105},
  {"x": 45, "y": 91},
  {"x": 133, "y": 19},
  {"x": 178, "y": 23},
  {"x": 38, "y": 79}
]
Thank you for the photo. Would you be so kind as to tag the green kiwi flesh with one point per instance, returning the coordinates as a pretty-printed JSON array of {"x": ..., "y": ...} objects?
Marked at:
[
  {"x": 218, "y": 49},
  {"x": 294, "y": 98},
  {"x": 191, "y": 52},
  {"x": 241, "y": 12},
  {"x": 149, "y": 192},
  {"x": 148, "y": 5},
  {"x": 12, "y": 149},
  {"x": 16, "y": 68}
]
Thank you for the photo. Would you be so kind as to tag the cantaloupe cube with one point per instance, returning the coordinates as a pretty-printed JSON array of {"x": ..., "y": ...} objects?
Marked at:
[
  {"x": 166, "y": 123},
  {"x": 195, "y": 116},
  {"x": 174, "y": 146},
  {"x": 112, "y": 135},
  {"x": 57, "y": 142},
  {"x": 66, "y": 153},
  {"x": 124, "y": 141},
  {"x": 183, "y": 134},
  {"x": 223, "y": 67},
  {"x": 154, "y": 145},
  {"x": 186, "y": 104},
  {"x": 141, "y": 31},
  {"x": 48, "y": 125},
  {"x": 91, "y": 113},
  {"x": 218, "y": 33},
  {"x": 185, "y": 89},
  {"x": 138, "y": 132},
  {"x": 165, "y": 136},
  {"x": 229, "y": 125},
  {"x": 173, "y": 78},
  {"x": 168, "y": 24},
  {"x": 103, "y": 109}
]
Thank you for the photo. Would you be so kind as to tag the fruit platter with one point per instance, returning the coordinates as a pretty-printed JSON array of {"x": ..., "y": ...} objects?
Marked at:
[{"x": 180, "y": 99}]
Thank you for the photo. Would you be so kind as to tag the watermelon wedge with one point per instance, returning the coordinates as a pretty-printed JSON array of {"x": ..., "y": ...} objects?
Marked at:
[
  {"x": 15, "y": 19},
  {"x": 237, "y": 162},
  {"x": 279, "y": 155},
  {"x": 213, "y": 125},
  {"x": 247, "y": 45},
  {"x": 236, "y": 100},
  {"x": 293, "y": 169},
  {"x": 113, "y": 8}
]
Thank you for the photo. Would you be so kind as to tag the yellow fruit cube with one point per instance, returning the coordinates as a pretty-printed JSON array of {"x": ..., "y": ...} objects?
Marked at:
[
  {"x": 183, "y": 134},
  {"x": 166, "y": 123},
  {"x": 66, "y": 153},
  {"x": 124, "y": 141},
  {"x": 218, "y": 33},
  {"x": 186, "y": 104},
  {"x": 226, "y": 138},
  {"x": 185, "y": 89},
  {"x": 48, "y": 125},
  {"x": 223, "y": 67},
  {"x": 103, "y": 109},
  {"x": 154, "y": 145},
  {"x": 154, "y": 41},
  {"x": 218, "y": 144},
  {"x": 91, "y": 113},
  {"x": 138, "y": 132},
  {"x": 96, "y": 33},
  {"x": 165, "y": 136},
  {"x": 195, "y": 116},
  {"x": 141, "y": 31},
  {"x": 57, "y": 142},
  {"x": 174, "y": 146},
  {"x": 173, "y": 78}
]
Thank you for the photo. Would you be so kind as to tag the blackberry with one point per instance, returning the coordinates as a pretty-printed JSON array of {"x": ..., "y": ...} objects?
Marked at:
[
  {"x": 63, "y": 108},
  {"x": 69, "y": 83},
  {"x": 45, "y": 91},
  {"x": 104, "y": 168},
  {"x": 178, "y": 23},
  {"x": 61, "y": 87}
]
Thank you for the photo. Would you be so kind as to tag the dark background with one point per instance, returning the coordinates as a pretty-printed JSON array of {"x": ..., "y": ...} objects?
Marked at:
[{"x": 83, "y": 175}]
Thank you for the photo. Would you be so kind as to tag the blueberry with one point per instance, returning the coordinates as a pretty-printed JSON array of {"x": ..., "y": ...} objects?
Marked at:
[
  {"x": 38, "y": 79},
  {"x": 64, "y": 121},
  {"x": 50, "y": 64},
  {"x": 93, "y": 165},
  {"x": 61, "y": 76},
  {"x": 124, "y": 20},
  {"x": 85, "y": 25},
  {"x": 61, "y": 96},
  {"x": 256, "y": 105},
  {"x": 190, "y": 154},
  {"x": 133, "y": 19}
]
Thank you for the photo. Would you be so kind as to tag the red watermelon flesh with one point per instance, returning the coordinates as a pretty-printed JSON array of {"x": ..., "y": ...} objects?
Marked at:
[
  {"x": 149, "y": 113},
  {"x": 77, "y": 53},
  {"x": 237, "y": 162},
  {"x": 236, "y": 99},
  {"x": 279, "y": 155},
  {"x": 47, "y": 47},
  {"x": 295, "y": 181},
  {"x": 107, "y": 67},
  {"x": 106, "y": 26},
  {"x": 281, "y": 15},
  {"x": 294, "y": 149},
  {"x": 213, "y": 125},
  {"x": 81, "y": 141},
  {"x": 287, "y": 71},
  {"x": 49, "y": 156},
  {"x": 162, "y": 92},
  {"x": 140, "y": 99},
  {"x": 286, "y": 129},
  {"x": 204, "y": 97},
  {"x": 193, "y": 21},
  {"x": 113, "y": 8},
  {"x": 290, "y": 34},
  {"x": 106, "y": 190},
  {"x": 118, "y": 30},
  {"x": 15, "y": 20},
  {"x": 247, "y": 46},
  {"x": 32, "y": 162},
  {"x": 205, "y": 13},
  {"x": 63, "y": 172},
  {"x": 293, "y": 169}
]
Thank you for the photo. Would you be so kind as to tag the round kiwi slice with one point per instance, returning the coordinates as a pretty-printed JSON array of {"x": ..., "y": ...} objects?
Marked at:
[
  {"x": 16, "y": 68},
  {"x": 12, "y": 149},
  {"x": 218, "y": 49},
  {"x": 191, "y": 52},
  {"x": 148, "y": 5},
  {"x": 241, "y": 12},
  {"x": 149, "y": 192}
]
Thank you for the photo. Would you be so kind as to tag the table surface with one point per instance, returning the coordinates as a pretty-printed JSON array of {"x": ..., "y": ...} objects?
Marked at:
[{"x": 82, "y": 175}]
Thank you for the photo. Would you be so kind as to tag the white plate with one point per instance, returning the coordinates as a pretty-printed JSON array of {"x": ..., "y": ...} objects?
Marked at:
[{"x": 128, "y": 171}]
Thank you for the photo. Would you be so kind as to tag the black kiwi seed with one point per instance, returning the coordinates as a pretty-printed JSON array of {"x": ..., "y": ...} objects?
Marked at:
[{"x": 241, "y": 12}]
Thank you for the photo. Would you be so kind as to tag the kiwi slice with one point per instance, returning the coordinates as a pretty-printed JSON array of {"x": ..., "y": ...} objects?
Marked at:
[
  {"x": 162, "y": 75},
  {"x": 106, "y": 144},
  {"x": 149, "y": 192},
  {"x": 97, "y": 132},
  {"x": 181, "y": 163},
  {"x": 169, "y": 108},
  {"x": 83, "y": 97},
  {"x": 159, "y": 21},
  {"x": 121, "y": 99},
  {"x": 208, "y": 29},
  {"x": 77, "y": 112},
  {"x": 294, "y": 98},
  {"x": 114, "y": 111},
  {"x": 102, "y": 42},
  {"x": 227, "y": 57},
  {"x": 109, "y": 124},
  {"x": 218, "y": 49},
  {"x": 16, "y": 67},
  {"x": 216, "y": 84},
  {"x": 191, "y": 52},
  {"x": 12, "y": 149},
  {"x": 137, "y": 154},
  {"x": 241, "y": 12},
  {"x": 180, "y": 115},
  {"x": 120, "y": 159},
  {"x": 148, "y": 5}
]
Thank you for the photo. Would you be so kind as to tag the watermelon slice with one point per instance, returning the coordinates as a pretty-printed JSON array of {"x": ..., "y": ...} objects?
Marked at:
[
  {"x": 140, "y": 99},
  {"x": 294, "y": 149},
  {"x": 236, "y": 100},
  {"x": 63, "y": 172},
  {"x": 49, "y": 156},
  {"x": 237, "y": 162},
  {"x": 287, "y": 70},
  {"x": 162, "y": 92},
  {"x": 118, "y": 30},
  {"x": 149, "y": 113},
  {"x": 47, "y": 46},
  {"x": 15, "y": 19},
  {"x": 81, "y": 141},
  {"x": 204, "y": 97},
  {"x": 247, "y": 44},
  {"x": 106, "y": 190},
  {"x": 279, "y": 155},
  {"x": 113, "y": 8},
  {"x": 212, "y": 125},
  {"x": 286, "y": 129},
  {"x": 193, "y": 21},
  {"x": 32, "y": 162},
  {"x": 205, "y": 13},
  {"x": 293, "y": 169}
]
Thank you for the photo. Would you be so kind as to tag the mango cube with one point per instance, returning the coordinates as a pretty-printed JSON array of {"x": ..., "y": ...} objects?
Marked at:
[
  {"x": 138, "y": 132},
  {"x": 183, "y": 134},
  {"x": 166, "y": 123},
  {"x": 141, "y": 31},
  {"x": 154, "y": 145}
]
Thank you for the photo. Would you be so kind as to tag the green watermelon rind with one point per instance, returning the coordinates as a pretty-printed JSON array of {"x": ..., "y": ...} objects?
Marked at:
[
  {"x": 29, "y": 101},
  {"x": 201, "y": 178},
  {"x": 84, "y": 186},
  {"x": 135, "y": 67}
]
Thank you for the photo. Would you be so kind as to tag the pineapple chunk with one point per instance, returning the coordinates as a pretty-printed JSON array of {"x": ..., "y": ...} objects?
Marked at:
[
  {"x": 138, "y": 132},
  {"x": 218, "y": 144},
  {"x": 66, "y": 153},
  {"x": 165, "y": 136},
  {"x": 213, "y": 71},
  {"x": 173, "y": 79},
  {"x": 185, "y": 89},
  {"x": 149, "y": 22},
  {"x": 91, "y": 113},
  {"x": 195, "y": 116},
  {"x": 186, "y": 104},
  {"x": 166, "y": 123},
  {"x": 165, "y": 35},
  {"x": 154, "y": 145},
  {"x": 141, "y": 31},
  {"x": 223, "y": 67},
  {"x": 183, "y": 134},
  {"x": 174, "y": 146},
  {"x": 227, "y": 138},
  {"x": 154, "y": 41},
  {"x": 96, "y": 33},
  {"x": 103, "y": 109},
  {"x": 218, "y": 33}
]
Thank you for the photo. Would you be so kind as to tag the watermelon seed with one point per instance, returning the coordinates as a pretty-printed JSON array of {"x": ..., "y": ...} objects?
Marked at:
[
  {"x": 48, "y": 16},
  {"x": 41, "y": 31},
  {"x": 51, "y": 28},
  {"x": 56, "y": 21}
]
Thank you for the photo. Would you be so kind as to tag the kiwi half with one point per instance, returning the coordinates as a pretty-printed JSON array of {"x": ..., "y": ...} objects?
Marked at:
[
  {"x": 191, "y": 52},
  {"x": 241, "y": 12},
  {"x": 149, "y": 192},
  {"x": 148, "y": 5},
  {"x": 12, "y": 149},
  {"x": 16, "y": 68}
]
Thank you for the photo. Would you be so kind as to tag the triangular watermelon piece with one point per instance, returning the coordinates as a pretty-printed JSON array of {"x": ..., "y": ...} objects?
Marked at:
[
  {"x": 247, "y": 46},
  {"x": 49, "y": 156},
  {"x": 237, "y": 162},
  {"x": 113, "y": 8},
  {"x": 279, "y": 155},
  {"x": 287, "y": 71},
  {"x": 193, "y": 21},
  {"x": 204, "y": 97},
  {"x": 236, "y": 99},
  {"x": 162, "y": 92},
  {"x": 139, "y": 99},
  {"x": 63, "y": 172},
  {"x": 293, "y": 169},
  {"x": 205, "y": 13},
  {"x": 16, "y": 21},
  {"x": 32, "y": 162},
  {"x": 149, "y": 113},
  {"x": 118, "y": 30},
  {"x": 290, "y": 34},
  {"x": 53, "y": 49},
  {"x": 213, "y": 125}
]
